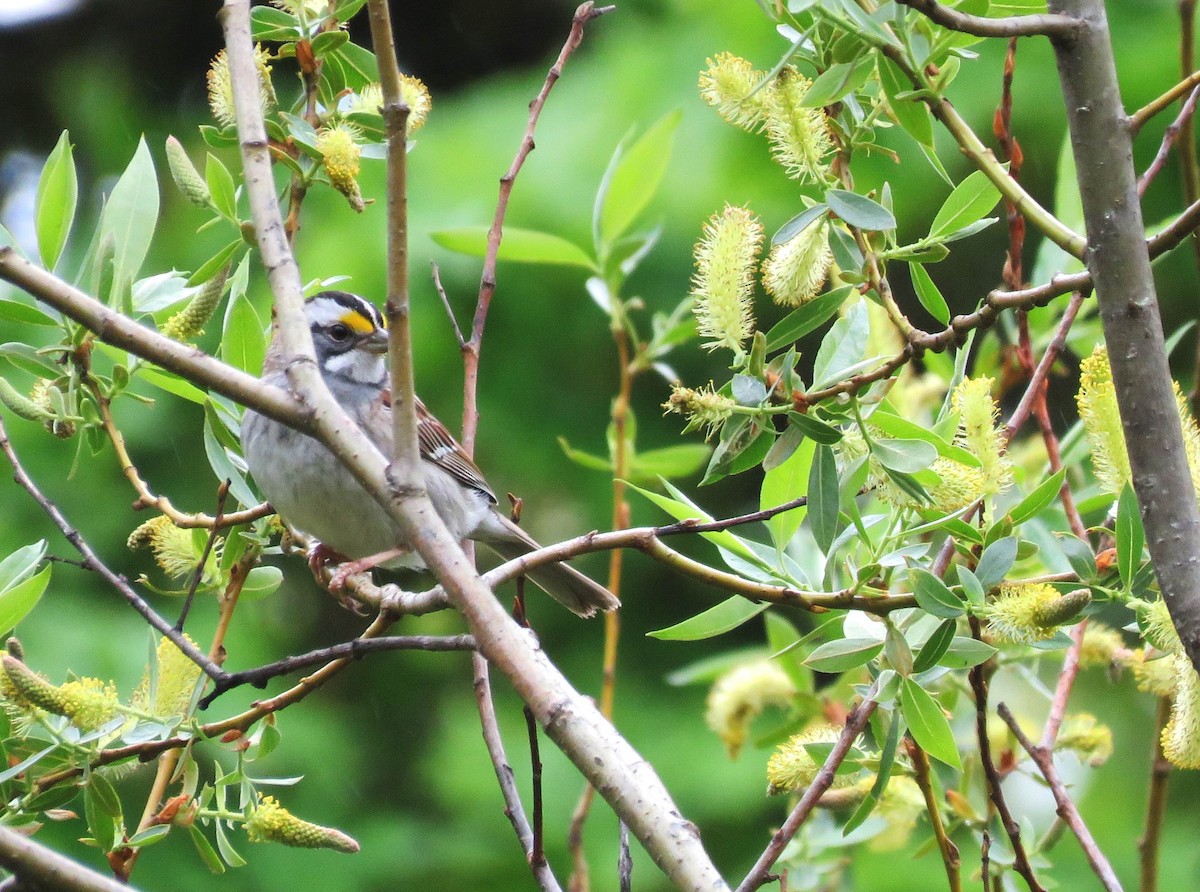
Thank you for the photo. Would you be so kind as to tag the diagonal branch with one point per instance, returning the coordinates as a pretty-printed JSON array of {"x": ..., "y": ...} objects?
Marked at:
[{"x": 1056, "y": 27}]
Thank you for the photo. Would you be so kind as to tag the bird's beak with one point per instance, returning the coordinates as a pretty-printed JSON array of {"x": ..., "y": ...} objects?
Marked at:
[{"x": 376, "y": 342}]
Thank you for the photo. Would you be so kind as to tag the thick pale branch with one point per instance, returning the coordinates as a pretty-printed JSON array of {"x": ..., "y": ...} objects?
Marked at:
[{"x": 41, "y": 868}]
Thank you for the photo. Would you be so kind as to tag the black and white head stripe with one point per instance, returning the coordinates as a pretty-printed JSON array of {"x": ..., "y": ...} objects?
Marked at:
[{"x": 333, "y": 307}]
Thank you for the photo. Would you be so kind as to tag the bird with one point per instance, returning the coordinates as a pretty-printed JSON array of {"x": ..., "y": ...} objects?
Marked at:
[{"x": 307, "y": 485}]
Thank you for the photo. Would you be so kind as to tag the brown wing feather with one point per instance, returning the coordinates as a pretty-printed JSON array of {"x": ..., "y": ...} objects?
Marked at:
[{"x": 441, "y": 449}]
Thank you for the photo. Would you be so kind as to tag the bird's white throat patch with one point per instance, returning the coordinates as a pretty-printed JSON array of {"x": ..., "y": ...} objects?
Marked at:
[{"x": 357, "y": 365}]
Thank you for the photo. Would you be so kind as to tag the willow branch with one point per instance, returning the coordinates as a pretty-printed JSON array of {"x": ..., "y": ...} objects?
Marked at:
[
  {"x": 1044, "y": 759},
  {"x": 42, "y": 868},
  {"x": 921, "y": 774},
  {"x": 1056, "y": 27}
]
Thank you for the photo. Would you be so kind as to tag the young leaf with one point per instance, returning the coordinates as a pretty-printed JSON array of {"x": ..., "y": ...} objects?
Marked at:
[
  {"x": 669, "y": 462},
  {"x": 729, "y": 614},
  {"x": 927, "y": 724},
  {"x": 806, "y": 318},
  {"x": 935, "y": 646},
  {"x": 887, "y": 758},
  {"x": 843, "y": 654},
  {"x": 934, "y": 597},
  {"x": 967, "y": 204},
  {"x": 243, "y": 338},
  {"x": 963, "y": 653},
  {"x": 1130, "y": 536},
  {"x": 995, "y": 562},
  {"x": 17, "y": 601},
  {"x": 823, "y": 498},
  {"x": 220, "y": 183},
  {"x": 906, "y": 456},
  {"x": 783, "y": 483},
  {"x": 859, "y": 211},
  {"x": 911, "y": 114},
  {"x": 632, "y": 179},
  {"x": 842, "y": 347},
  {"x": 520, "y": 245},
  {"x": 798, "y": 224},
  {"x": 1080, "y": 556},
  {"x": 928, "y": 294},
  {"x": 57, "y": 195},
  {"x": 130, "y": 216},
  {"x": 1042, "y": 497}
]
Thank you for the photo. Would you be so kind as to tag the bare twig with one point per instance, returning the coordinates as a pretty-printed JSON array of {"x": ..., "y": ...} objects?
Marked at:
[
  {"x": 921, "y": 774},
  {"x": 855, "y": 723},
  {"x": 1044, "y": 759},
  {"x": 979, "y": 686},
  {"x": 92, "y": 562},
  {"x": 1156, "y": 803},
  {"x": 1138, "y": 119},
  {"x": 1056, "y": 27},
  {"x": 436, "y": 272},
  {"x": 209, "y": 541},
  {"x": 1170, "y": 136}
]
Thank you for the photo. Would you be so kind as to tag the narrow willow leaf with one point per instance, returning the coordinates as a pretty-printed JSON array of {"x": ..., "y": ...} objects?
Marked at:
[
  {"x": 633, "y": 178},
  {"x": 17, "y": 601},
  {"x": 887, "y": 759},
  {"x": 898, "y": 427},
  {"x": 718, "y": 620},
  {"x": 963, "y": 653},
  {"x": 519, "y": 245},
  {"x": 859, "y": 211},
  {"x": 806, "y": 318},
  {"x": 968, "y": 203},
  {"x": 911, "y": 114},
  {"x": 823, "y": 498},
  {"x": 782, "y": 484},
  {"x": 1130, "y": 536},
  {"x": 1041, "y": 498},
  {"x": 906, "y": 456},
  {"x": 798, "y": 224},
  {"x": 934, "y": 597},
  {"x": 842, "y": 347},
  {"x": 130, "y": 216},
  {"x": 935, "y": 646},
  {"x": 844, "y": 654},
  {"x": 927, "y": 724},
  {"x": 57, "y": 196},
  {"x": 220, "y": 184},
  {"x": 995, "y": 562},
  {"x": 669, "y": 462},
  {"x": 928, "y": 294}
]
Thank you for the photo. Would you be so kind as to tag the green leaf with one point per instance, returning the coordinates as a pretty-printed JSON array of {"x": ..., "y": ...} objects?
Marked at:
[
  {"x": 928, "y": 294},
  {"x": 57, "y": 195},
  {"x": 149, "y": 836},
  {"x": 837, "y": 80},
  {"x": 995, "y": 562},
  {"x": 243, "y": 337},
  {"x": 1080, "y": 556},
  {"x": 842, "y": 347},
  {"x": 969, "y": 202},
  {"x": 13, "y": 311},
  {"x": 328, "y": 41},
  {"x": 815, "y": 428},
  {"x": 963, "y": 653},
  {"x": 225, "y": 847},
  {"x": 782, "y": 484},
  {"x": 727, "y": 615},
  {"x": 885, "y": 419},
  {"x": 359, "y": 65},
  {"x": 935, "y": 646},
  {"x": 971, "y": 587},
  {"x": 224, "y": 468},
  {"x": 632, "y": 179},
  {"x": 585, "y": 459},
  {"x": 933, "y": 595},
  {"x": 823, "y": 498},
  {"x": 102, "y": 809},
  {"x": 1131, "y": 538},
  {"x": 519, "y": 245},
  {"x": 130, "y": 216},
  {"x": 859, "y": 211},
  {"x": 798, "y": 224},
  {"x": 911, "y": 114},
  {"x": 843, "y": 654},
  {"x": 207, "y": 853},
  {"x": 782, "y": 639},
  {"x": 1041, "y": 498},
  {"x": 906, "y": 456},
  {"x": 17, "y": 601},
  {"x": 173, "y": 384},
  {"x": 261, "y": 582},
  {"x": 220, "y": 183},
  {"x": 681, "y": 508},
  {"x": 669, "y": 462},
  {"x": 806, "y": 318},
  {"x": 927, "y": 724},
  {"x": 269, "y": 23},
  {"x": 887, "y": 759},
  {"x": 21, "y": 564}
]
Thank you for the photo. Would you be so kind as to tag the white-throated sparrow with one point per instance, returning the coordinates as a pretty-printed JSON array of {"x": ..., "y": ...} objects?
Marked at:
[{"x": 313, "y": 492}]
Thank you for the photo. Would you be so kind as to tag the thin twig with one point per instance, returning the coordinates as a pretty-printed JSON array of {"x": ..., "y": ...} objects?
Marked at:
[
  {"x": 209, "y": 541},
  {"x": 1170, "y": 136},
  {"x": 1138, "y": 119},
  {"x": 760, "y": 874},
  {"x": 1044, "y": 759},
  {"x": 921, "y": 774},
  {"x": 487, "y": 284},
  {"x": 624, "y": 859},
  {"x": 436, "y": 272},
  {"x": 92, "y": 562},
  {"x": 1156, "y": 803},
  {"x": 979, "y": 686}
]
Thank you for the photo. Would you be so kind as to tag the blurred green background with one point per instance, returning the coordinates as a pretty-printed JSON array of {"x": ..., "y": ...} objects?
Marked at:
[{"x": 390, "y": 751}]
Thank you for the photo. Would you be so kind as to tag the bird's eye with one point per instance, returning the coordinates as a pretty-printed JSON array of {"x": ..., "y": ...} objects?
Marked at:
[{"x": 339, "y": 332}]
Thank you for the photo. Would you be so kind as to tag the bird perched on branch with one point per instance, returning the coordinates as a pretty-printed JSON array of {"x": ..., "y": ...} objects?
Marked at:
[{"x": 312, "y": 490}]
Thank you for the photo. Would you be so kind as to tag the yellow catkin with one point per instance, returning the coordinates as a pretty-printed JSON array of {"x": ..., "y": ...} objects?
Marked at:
[
  {"x": 724, "y": 282},
  {"x": 741, "y": 694}
]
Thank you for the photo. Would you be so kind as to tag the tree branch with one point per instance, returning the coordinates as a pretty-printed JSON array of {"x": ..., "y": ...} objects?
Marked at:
[
  {"x": 1120, "y": 266},
  {"x": 43, "y": 868},
  {"x": 1056, "y": 27}
]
